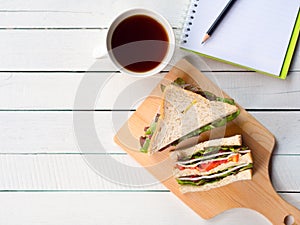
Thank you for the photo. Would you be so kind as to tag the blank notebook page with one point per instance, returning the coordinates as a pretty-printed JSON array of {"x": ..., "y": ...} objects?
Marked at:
[{"x": 254, "y": 33}]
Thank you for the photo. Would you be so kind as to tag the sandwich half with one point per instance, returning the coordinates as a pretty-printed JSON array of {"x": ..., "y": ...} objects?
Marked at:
[
  {"x": 186, "y": 111},
  {"x": 212, "y": 164}
]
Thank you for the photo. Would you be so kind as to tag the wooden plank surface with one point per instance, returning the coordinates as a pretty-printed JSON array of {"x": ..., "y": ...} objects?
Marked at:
[
  {"x": 73, "y": 50},
  {"x": 36, "y": 90},
  {"x": 87, "y": 14},
  {"x": 53, "y": 132},
  {"x": 92, "y": 208},
  {"x": 73, "y": 172}
]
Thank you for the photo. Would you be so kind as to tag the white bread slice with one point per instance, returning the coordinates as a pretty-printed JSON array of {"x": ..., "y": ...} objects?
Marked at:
[
  {"x": 244, "y": 175},
  {"x": 183, "y": 112},
  {"x": 244, "y": 159},
  {"x": 235, "y": 140}
]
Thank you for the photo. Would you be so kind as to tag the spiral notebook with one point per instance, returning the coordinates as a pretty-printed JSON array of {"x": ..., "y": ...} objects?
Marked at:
[{"x": 259, "y": 35}]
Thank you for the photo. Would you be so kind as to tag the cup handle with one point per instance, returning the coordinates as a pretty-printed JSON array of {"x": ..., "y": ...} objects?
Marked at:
[{"x": 100, "y": 52}]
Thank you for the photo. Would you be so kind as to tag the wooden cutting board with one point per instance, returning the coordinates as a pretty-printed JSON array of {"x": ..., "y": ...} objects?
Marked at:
[{"x": 257, "y": 194}]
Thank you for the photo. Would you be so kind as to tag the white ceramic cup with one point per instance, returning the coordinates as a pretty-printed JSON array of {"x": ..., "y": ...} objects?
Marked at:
[{"x": 167, "y": 56}]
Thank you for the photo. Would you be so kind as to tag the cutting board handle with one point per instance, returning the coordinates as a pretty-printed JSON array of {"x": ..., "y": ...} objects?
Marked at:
[{"x": 280, "y": 213}]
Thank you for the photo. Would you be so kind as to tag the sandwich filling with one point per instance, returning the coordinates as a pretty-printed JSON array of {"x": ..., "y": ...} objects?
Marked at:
[
  {"x": 145, "y": 140},
  {"x": 214, "y": 177}
]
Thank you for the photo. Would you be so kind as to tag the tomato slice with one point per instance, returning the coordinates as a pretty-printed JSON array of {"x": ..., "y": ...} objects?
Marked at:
[
  {"x": 212, "y": 165},
  {"x": 180, "y": 167},
  {"x": 235, "y": 158}
]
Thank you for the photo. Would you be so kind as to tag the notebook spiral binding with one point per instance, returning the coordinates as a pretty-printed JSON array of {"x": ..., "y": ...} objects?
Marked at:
[{"x": 189, "y": 21}]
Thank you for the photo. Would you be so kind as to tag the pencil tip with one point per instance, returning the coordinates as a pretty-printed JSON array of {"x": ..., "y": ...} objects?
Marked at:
[{"x": 206, "y": 36}]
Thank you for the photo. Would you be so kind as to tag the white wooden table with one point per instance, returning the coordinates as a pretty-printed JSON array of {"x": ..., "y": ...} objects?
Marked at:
[{"x": 46, "y": 50}]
